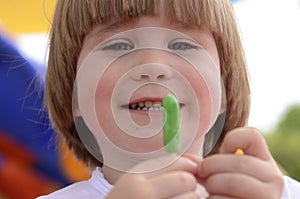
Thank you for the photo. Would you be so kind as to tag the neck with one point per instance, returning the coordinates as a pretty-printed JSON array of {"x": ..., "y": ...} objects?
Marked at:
[{"x": 111, "y": 175}]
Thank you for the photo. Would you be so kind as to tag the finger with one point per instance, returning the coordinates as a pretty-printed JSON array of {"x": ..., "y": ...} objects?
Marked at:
[
  {"x": 195, "y": 158},
  {"x": 201, "y": 191},
  {"x": 236, "y": 185},
  {"x": 173, "y": 183},
  {"x": 164, "y": 164},
  {"x": 229, "y": 163},
  {"x": 221, "y": 197},
  {"x": 189, "y": 195},
  {"x": 249, "y": 140}
]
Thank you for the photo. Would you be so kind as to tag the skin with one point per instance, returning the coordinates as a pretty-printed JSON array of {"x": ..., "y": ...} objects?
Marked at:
[
  {"x": 256, "y": 169},
  {"x": 109, "y": 80},
  {"x": 253, "y": 175}
]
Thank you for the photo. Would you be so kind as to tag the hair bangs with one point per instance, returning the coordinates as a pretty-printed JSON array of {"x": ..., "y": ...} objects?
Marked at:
[
  {"x": 206, "y": 13},
  {"x": 202, "y": 13}
]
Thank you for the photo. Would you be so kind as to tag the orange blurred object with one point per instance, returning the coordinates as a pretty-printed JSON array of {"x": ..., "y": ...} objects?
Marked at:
[
  {"x": 239, "y": 152},
  {"x": 19, "y": 181}
]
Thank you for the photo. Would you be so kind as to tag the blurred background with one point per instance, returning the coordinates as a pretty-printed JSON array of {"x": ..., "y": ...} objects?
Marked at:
[{"x": 33, "y": 162}]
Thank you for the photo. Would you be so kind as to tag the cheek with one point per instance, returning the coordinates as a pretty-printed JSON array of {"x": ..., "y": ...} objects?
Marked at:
[
  {"x": 204, "y": 102},
  {"x": 103, "y": 97},
  {"x": 104, "y": 90},
  {"x": 207, "y": 97}
]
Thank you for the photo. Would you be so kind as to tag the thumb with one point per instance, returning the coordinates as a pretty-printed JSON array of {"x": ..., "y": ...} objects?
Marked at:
[{"x": 250, "y": 140}]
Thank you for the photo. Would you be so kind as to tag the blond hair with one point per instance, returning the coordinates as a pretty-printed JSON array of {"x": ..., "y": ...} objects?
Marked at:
[{"x": 72, "y": 21}]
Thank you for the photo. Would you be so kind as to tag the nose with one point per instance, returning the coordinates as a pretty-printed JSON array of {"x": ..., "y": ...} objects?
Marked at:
[{"x": 151, "y": 73}]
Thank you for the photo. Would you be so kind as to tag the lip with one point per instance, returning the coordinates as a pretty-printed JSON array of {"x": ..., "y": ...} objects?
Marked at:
[
  {"x": 143, "y": 99},
  {"x": 146, "y": 112}
]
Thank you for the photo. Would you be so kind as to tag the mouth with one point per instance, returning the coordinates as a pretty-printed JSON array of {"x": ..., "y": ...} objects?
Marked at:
[{"x": 147, "y": 104}]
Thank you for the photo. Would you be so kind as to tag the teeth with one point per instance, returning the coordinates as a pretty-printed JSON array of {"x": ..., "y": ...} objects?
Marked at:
[
  {"x": 133, "y": 106},
  {"x": 147, "y": 105},
  {"x": 141, "y": 104},
  {"x": 157, "y": 104}
]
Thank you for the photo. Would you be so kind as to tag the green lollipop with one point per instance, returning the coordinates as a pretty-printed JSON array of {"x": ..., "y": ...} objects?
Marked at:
[{"x": 171, "y": 117}]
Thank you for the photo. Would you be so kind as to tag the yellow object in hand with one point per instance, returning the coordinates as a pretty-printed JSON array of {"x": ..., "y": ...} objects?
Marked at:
[{"x": 239, "y": 152}]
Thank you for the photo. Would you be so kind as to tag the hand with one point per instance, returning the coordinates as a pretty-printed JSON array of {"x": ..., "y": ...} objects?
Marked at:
[
  {"x": 253, "y": 175},
  {"x": 175, "y": 181}
]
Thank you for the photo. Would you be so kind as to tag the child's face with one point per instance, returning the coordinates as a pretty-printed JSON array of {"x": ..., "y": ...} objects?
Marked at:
[{"x": 126, "y": 69}]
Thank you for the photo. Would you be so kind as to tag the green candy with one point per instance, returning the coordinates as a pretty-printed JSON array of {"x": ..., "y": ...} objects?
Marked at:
[{"x": 171, "y": 118}]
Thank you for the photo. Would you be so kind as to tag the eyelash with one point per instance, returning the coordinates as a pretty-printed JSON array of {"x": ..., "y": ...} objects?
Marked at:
[
  {"x": 116, "y": 46},
  {"x": 124, "y": 46},
  {"x": 182, "y": 46}
]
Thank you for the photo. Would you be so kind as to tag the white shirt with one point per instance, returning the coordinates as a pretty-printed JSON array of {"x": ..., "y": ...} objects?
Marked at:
[
  {"x": 97, "y": 187},
  {"x": 291, "y": 189}
]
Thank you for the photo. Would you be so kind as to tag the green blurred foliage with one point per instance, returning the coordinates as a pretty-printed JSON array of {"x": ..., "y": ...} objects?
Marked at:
[{"x": 284, "y": 141}]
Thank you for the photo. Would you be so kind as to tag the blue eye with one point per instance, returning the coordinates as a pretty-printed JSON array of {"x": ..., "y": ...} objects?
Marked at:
[
  {"x": 119, "y": 46},
  {"x": 182, "y": 46}
]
